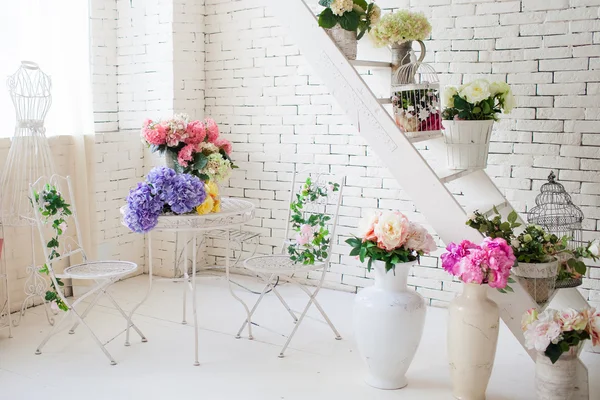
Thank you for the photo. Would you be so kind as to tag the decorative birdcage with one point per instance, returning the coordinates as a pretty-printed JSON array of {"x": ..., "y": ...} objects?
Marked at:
[
  {"x": 556, "y": 213},
  {"x": 416, "y": 98}
]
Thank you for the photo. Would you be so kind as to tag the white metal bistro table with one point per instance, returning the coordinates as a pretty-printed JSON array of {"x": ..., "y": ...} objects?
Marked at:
[{"x": 234, "y": 213}]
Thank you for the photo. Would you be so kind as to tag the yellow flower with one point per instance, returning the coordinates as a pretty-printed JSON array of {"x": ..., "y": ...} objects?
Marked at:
[
  {"x": 206, "y": 207},
  {"x": 212, "y": 189},
  {"x": 217, "y": 205}
]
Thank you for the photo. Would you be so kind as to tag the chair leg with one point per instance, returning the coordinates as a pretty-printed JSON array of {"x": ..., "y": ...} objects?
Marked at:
[
  {"x": 280, "y": 297},
  {"x": 254, "y": 308},
  {"x": 52, "y": 332},
  {"x": 124, "y": 314},
  {"x": 289, "y": 339},
  {"x": 81, "y": 321},
  {"x": 86, "y": 312},
  {"x": 313, "y": 296}
]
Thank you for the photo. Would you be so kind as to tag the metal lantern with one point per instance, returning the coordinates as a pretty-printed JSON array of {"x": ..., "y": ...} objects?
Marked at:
[
  {"x": 416, "y": 98},
  {"x": 556, "y": 213}
]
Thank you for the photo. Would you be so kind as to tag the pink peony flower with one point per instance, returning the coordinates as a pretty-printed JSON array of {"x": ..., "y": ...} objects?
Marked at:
[
  {"x": 186, "y": 154},
  {"x": 540, "y": 334},
  {"x": 391, "y": 230},
  {"x": 223, "y": 144},
  {"x": 593, "y": 327},
  {"x": 154, "y": 136},
  {"x": 419, "y": 239},
  {"x": 196, "y": 132},
  {"x": 212, "y": 129},
  {"x": 573, "y": 320},
  {"x": 367, "y": 227},
  {"x": 454, "y": 253},
  {"x": 147, "y": 123}
]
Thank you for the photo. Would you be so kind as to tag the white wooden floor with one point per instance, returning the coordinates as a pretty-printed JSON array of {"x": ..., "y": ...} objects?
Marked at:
[{"x": 316, "y": 367}]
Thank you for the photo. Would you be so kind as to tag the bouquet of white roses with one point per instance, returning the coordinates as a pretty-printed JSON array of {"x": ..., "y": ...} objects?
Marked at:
[{"x": 478, "y": 100}]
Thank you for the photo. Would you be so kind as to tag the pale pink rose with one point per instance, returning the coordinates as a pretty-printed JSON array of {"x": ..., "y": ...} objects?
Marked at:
[
  {"x": 573, "y": 320},
  {"x": 154, "y": 136},
  {"x": 186, "y": 154},
  {"x": 302, "y": 239},
  {"x": 306, "y": 229},
  {"x": 54, "y": 306},
  {"x": 391, "y": 230},
  {"x": 212, "y": 129},
  {"x": 367, "y": 225},
  {"x": 593, "y": 327},
  {"x": 223, "y": 144},
  {"x": 196, "y": 132},
  {"x": 419, "y": 239}
]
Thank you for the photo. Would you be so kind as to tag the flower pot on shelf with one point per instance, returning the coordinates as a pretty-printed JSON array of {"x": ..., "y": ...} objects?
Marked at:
[
  {"x": 556, "y": 381},
  {"x": 388, "y": 325},
  {"x": 538, "y": 279},
  {"x": 344, "y": 40},
  {"x": 467, "y": 143},
  {"x": 473, "y": 328},
  {"x": 401, "y": 56}
]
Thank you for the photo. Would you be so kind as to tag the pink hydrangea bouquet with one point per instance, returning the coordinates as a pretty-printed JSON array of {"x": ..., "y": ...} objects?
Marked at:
[
  {"x": 390, "y": 237},
  {"x": 555, "y": 332},
  {"x": 195, "y": 146},
  {"x": 490, "y": 262}
]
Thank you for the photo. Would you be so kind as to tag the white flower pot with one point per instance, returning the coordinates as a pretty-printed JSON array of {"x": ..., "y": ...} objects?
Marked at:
[
  {"x": 388, "y": 325},
  {"x": 467, "y": 143},
  {"x": 556, "y": 381},
  {"x": 473, "y": 327},
  {"x": 345, "y": 41},
  {"x": 539, "y": 279}
]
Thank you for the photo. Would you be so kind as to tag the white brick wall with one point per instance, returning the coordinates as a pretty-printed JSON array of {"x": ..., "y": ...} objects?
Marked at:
[{"x": 277, "y": 112}]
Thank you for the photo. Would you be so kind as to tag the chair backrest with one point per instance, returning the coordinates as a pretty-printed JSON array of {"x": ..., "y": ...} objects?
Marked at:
[
  {"x": 327, "y": 204},
  {"x": 46, "y": 194}
]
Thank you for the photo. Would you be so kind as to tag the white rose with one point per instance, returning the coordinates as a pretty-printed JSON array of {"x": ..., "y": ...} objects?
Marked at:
[
  {"x": 476, "y": 91},
  {"x": 508, "y": 102},
  {"x": 449, "y": 93},
  {"x": 499, "y": 88},
  {"x": 594, "y": 248}
]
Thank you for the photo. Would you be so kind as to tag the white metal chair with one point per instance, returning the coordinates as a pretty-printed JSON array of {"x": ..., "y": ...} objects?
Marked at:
[
  {"x": 277, "y": 268},
  {"x": 103, "y": 273}
]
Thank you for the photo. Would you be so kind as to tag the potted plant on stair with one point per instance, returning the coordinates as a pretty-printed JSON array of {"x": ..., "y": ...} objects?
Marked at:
[
  {"x": 557, "y": 337},
  {"x": 468, "y": 119},
  {"x": 389, "y": 317},
  {"x": 346, "y": 22}
]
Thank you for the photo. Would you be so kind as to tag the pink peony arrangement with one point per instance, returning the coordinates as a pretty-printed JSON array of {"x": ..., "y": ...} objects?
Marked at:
[
  {"x": 554, "y": 332},
  {"x": 489, "y": 262},
  {"x": 389, "y": 236},
  {"x": 192, "y": 143}
]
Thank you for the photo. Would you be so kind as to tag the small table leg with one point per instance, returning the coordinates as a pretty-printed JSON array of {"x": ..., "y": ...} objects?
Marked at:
[
  {"x": 194, "y": 266},
  {"x": 248, "y": 315},
  {"x": 147, "y": 291}
]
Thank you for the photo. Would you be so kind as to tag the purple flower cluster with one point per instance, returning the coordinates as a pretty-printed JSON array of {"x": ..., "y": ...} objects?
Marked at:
[{"x": 162, "y": 190}]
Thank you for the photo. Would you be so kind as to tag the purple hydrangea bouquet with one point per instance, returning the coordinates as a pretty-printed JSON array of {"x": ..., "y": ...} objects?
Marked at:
[{"x": 163, "y": 192}]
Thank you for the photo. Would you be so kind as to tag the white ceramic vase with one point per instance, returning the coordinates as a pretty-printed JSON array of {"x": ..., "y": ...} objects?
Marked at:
[
  {"x": 473, "y": 327},
  {"x": 556, "y": 381},
  {"x": 388, "y": 325},
  {"x": 467, "y": 143}
]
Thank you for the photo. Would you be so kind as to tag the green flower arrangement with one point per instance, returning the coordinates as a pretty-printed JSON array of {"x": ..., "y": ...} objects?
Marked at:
[
  {"x": 351, "y": 15},
  {"x": 400, "y": 27},
  {"x": 53, "y": 207}
]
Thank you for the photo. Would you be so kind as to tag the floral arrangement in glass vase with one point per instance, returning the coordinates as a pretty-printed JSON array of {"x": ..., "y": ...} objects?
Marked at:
[
  {"x": 478, "y": 100},
  {"x": 350, "y": 15},
  {"x": 194, "y": 147},
  {"x": 401, "y": 27},
  {"x": 417, "y": 110},
  {"x": 391, "y": 238},
  {"x": 487, "y": 263},
  {"x": 554, "y": 332},
  {"x": 54, "y": 208},
  {"x": 312, "y": 236},
  {"x": 163, "y": 192}
]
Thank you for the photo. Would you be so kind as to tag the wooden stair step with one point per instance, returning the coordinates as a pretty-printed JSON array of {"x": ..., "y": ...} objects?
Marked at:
[
  {"x": 448, "y": 175},
  {"x": 372, "y": 64}
]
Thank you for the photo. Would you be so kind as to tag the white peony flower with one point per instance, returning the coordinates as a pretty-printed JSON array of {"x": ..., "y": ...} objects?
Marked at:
[
  {"x": 449, "y": 93},
  {"x": 476, "y": 91},
  {"x": 391, "y": 230},
  {"x": 573, "y": 320},
  {"x": 339, "y": 7}
]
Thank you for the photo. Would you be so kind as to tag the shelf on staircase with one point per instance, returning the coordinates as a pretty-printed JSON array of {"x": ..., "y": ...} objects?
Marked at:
[
  {"x": 385, "y": 100},
  {"x": 449, "y": 175},
  {"x": 372, "y": 64},
  {"x": 425, "y": 137}
]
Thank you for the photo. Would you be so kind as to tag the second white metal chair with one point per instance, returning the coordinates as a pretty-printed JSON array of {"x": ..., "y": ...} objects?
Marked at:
[
  {"x": 102, "y": 273},
  {"x": 277, "y": 268}
]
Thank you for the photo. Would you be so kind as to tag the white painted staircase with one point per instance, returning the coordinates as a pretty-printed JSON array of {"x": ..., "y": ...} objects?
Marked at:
[{"x": 427, "y": 187}]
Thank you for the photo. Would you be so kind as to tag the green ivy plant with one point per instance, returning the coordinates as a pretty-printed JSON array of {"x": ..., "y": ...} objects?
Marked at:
[
  {"x": 535, "y": 245},
  {"x": 495, "y": 227},
  {"x": 359, "y": 19},
  {"x": 316, "y": 249},
  {"x": 52, "y": 207}
]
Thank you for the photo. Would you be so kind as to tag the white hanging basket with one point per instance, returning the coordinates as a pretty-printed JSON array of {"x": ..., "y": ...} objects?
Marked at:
[
  {"x": 345, "y": 41},
  {"x": 467, "y": 143}
]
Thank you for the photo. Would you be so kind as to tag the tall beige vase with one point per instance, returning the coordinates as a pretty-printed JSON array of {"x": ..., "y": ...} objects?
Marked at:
[{"x": 473, "y": 327}]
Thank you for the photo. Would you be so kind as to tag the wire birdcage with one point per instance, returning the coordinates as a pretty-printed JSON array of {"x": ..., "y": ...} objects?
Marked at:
[
  {"x": 556, "y": 213},
  {"x": 416, "y": 98}
]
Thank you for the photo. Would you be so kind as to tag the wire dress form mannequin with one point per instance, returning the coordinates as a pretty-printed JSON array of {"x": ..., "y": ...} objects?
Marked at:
[
  {"x": 29, "y": 156},
  {"x": 28, "y": 159}
]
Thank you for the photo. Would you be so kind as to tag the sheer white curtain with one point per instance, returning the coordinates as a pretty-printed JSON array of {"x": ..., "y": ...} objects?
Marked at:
[{"x": 54, "y": 34}]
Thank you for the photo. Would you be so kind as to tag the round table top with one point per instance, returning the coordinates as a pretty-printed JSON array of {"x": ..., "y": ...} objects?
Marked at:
[{"x": 233, "y": 212}]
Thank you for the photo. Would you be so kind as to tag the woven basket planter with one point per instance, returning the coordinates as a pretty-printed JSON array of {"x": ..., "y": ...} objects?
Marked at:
[
  {"x": 538, "y": 279},
  {"x": 344, "y": 40},
  {"x": 468, "y": 143}
]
